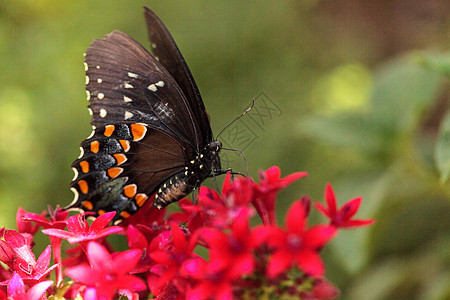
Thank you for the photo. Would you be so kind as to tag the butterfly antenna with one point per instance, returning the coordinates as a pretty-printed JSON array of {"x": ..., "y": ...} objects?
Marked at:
[{"x": 248, "y": 109}]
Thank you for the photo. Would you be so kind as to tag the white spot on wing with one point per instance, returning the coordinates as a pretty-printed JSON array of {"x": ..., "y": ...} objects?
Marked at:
[
  {"x": 90, "y": 111},
  {"x": 160, "y": 83},
  {"x": 99, "y": 80},
  {"x": 88, "y": 95},
  {"x": 97, "y": 66},
  {"x": 91, "y": 135},
  {"x": 128, "y": 86},
  {"x": 100, "y": 96},
  {"x": 127, "y": 99},
  {"x": 75, "y": 171},
  {"x": 152, "y": 87},
  {"x": 85, "y": 66},
  {"x": 81, "y": 152},
  {"x": 87, "y": 80},
  {"x": 103, "y": 112},
  {"x": 154, "y": 46},
  {"x": 75, "y": 198},
  {"x": 132, "y": 75},
  {"x": 128, "y": 115}
]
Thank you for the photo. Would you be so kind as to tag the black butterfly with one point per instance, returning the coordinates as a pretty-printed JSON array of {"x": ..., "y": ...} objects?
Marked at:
[{"x": 151, "y": 130}]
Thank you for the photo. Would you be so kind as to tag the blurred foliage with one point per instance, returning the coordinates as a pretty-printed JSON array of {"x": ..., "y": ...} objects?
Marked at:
[{"x": 362, "y": 95}]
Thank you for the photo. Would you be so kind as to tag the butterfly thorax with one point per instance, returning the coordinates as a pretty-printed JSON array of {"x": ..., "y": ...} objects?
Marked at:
[{"x": 182, "y": 183}]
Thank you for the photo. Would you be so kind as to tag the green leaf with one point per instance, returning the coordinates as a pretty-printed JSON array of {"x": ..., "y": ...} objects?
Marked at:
[
  {"x": 401, "y": 92},
  {"x": 439, "y": 62},
  {"x": 442, "y": 153}
]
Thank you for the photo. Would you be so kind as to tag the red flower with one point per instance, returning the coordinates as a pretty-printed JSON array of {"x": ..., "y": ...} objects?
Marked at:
[
  {"x": 80, "y": 232},
  {"x": 107, "y": 274},
  {"x": 297, "y": 245},
  {"x": 212, "y": 283},
  {"x": 341, "y": 218},
  {"x": 171, "y": 261},
  {"x": 270, "y": 184},
  {"x": 233, "y": 251},
  {"x": 57, "y": 219},
  {"x": 16, "y": 289},
  {"x": 16, "y": 253}
]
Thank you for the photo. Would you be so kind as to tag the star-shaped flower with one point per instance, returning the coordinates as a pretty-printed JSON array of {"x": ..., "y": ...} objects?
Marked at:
[
  {"x": 297, "y": 245},
  {"x": 341, "y": 218},
  {"x": 107, "y": 274},
  {"x": 80, "y": 232}
]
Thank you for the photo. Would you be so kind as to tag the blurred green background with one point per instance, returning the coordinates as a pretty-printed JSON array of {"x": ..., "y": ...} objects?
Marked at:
[{"x": 354, "y": 92}]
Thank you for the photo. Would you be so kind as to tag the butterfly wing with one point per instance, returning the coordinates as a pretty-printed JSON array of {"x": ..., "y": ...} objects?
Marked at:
[
  {"x": 122, "y": 166},
  {"x": 144, "y": 128},
  {"x": 125, "y": 83},
  {"x": 168, "y": 54}
]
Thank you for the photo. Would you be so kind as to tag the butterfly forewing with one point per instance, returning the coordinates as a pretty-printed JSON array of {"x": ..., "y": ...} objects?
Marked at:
[
  {"x": 165, "y": 48},
  {"x": 126, "y": 84}
]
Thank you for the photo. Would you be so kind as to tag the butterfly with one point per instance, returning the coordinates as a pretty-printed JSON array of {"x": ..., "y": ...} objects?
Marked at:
[{"x": 151, "y": 133}]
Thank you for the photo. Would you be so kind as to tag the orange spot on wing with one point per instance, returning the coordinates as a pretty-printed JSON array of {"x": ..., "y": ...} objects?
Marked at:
[
  {"x": 114, "y": 172},
  {"x": 101, "y": 212},
  {"x": 83, "y": 186},
  {"x": 87, "y": 204},
  {"x": 130, "y": 190},
  {"x": 125, "y": 214},
  {"x": 120, "y": 158},
  {"x": 125, "y": 145},
  {"x": 84, "y": 166},
  {"x": 141, "y": 199},
  {"x": 109, "y": 129},
  {"x": 138, "y": 131},
  {"x": 95, "y": 146}
]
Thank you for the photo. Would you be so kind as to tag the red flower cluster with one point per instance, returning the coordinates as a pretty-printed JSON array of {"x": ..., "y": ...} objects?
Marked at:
[{"x": 243, "y": 261}]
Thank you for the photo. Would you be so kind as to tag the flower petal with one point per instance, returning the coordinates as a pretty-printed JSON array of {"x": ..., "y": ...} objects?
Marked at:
[
  {"x": 77, "y": 224},
  {"x": 99, "y": 257},
  {"x": 83, "y": 274},
  {"x": 279, "y": 262},
  {"x": 16, "y": 288},
  {"x": 350, "y": 208},
  {"x": 37, "y": 290},
  {"x": 102, "y": 221},
  {"x": 310, "y": 263},
  {"x": 126, "y": 261},
  {"x": 330, "y": 199},
  {"x": 131, "y": 282},
  {"x": 317, "y": 236},
  {"x": 296, "y": 217}
]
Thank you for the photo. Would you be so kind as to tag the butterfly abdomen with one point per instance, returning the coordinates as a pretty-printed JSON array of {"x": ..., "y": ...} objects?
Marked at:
[{"x": 182, "y": 183}]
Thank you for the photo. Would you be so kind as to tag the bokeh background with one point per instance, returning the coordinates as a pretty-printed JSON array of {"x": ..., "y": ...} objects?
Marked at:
[{"x": 354, "y": 92}]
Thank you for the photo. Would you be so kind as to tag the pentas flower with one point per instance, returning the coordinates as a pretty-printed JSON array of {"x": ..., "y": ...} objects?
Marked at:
[
  {"x": 213, "y": 282},
  {"x": 242, "y": 261},
  {"x": 297, "y": 245},
  {"x": 270, "y": 183},
  {"x": 233, "y": 251},
  {"x": 17, "y": 289},
  {"x": 16, "y": 253},
  {"x": 341, "y": 218},
  {"x": 56, "y": 219},
  {"x": 171, "y": 261},
  {"x": 106, "y": 274},
  {"x": 80, "y": 232}
]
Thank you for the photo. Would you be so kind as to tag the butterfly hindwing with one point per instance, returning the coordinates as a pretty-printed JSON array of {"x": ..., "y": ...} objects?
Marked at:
[{"x": 122, "y": 165}]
